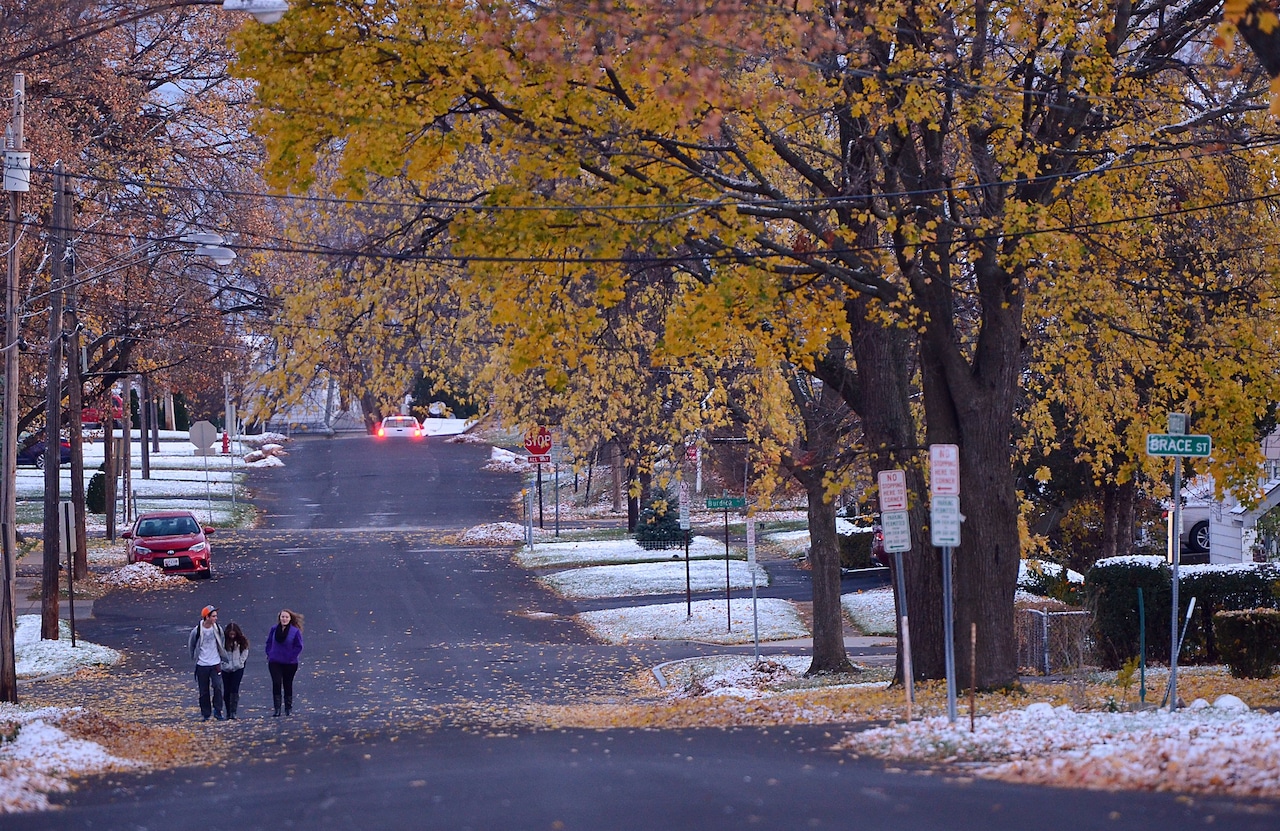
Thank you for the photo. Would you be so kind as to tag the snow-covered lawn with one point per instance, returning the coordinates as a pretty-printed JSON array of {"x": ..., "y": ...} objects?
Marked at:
[
  {"x": 1223, "y": 748},
  {"x": 612, "y": 552},
  {"x": 871, "y": 611},
  {"x": 41, "y": 757},
  {"x": 651, "y": 578},
  {"x": 777, "y": 620},
  {"x": 35, "y": 657}
]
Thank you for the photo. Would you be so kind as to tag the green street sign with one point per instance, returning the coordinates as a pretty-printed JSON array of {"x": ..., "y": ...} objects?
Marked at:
[
  {"x": 1164, "y": 444},
  {"x": 726, "y": 502}
]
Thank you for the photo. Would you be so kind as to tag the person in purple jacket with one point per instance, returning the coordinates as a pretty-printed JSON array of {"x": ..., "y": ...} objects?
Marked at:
[{"x": 284, "y": 645}]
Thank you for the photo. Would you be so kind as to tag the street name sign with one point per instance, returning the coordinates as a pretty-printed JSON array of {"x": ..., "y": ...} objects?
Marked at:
[
  {"x": 944, "y": 521},
  {"x": 726, "y": 502},
  {"x": 1168, "y": 444}
]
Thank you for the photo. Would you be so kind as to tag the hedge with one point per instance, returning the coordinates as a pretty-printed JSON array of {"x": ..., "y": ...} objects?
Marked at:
[
  {"x": 1111, "y": 591},
  {"x": 855, "y": 550},
  {"x": 1249, "y": 640}
]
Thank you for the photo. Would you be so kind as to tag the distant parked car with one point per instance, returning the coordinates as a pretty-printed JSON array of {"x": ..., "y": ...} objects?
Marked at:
[
  {"x": 32, "y": 452},
  {"x": 91, "y": 415},
  {"x": 400, "y": 425},
  {"x": 175, "y": 541}
]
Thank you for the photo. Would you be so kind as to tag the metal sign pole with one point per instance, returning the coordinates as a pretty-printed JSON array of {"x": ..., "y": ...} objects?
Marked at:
[
  {"x": 948, "y": 623},
  {"x": 908, "y": 681},
  {"x": 1177, "y": 555},
  {"x": 728, "y": 593},
  {"x": 686, "y": 524},
  {"x": 751, "y": 567},
  {"x": 67, "y": 540}
]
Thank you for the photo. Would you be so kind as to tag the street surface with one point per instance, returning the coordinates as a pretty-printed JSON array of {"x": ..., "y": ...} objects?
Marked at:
[{"x": 417, "y": 651}]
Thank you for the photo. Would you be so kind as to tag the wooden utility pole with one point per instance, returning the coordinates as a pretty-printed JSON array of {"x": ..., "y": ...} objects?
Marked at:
[
  {"x": 75, "y": 404},
  {"x": 49, "y": 586},
  {"x": 17, "y": 172}
]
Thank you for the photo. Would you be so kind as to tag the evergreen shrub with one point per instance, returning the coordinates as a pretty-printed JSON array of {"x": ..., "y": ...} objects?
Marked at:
[
  {"x": 1249, "y": 640},
  {"x": 658, "y": 525}
]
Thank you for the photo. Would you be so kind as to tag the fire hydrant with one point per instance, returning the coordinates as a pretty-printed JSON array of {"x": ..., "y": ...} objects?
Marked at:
[{"x": 226, "y": 443}]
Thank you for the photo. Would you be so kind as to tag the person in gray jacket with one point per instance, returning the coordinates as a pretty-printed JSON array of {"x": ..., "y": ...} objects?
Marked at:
[
  {"x": 237, "y": 649},
  {"x": 205, "y": 643}
]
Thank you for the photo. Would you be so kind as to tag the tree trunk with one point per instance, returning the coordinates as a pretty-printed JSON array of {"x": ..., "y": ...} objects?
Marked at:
[
  {"x": 880, "y": 391},
  {"x": 829, "y": 654},
  {"x": 1117, "y": 525},
  {"x": 970, "y": 403}
]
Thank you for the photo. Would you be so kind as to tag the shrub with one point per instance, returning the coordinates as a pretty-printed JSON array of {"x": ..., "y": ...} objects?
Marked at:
[
  {"x": 95, "y": 498},
  {"x": 1222, "y": 588},
  {"x": 855, "y": 550},
  {"x": 1111, "y": 590},
  {"x": 1249, "y": 641},
  {"x": 1046, "y": 579},
  {"x": 658, "y": 525}
]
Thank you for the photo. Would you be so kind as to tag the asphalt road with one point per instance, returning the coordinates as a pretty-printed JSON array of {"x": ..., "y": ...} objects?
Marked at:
[{"x": 417, "y": 651}]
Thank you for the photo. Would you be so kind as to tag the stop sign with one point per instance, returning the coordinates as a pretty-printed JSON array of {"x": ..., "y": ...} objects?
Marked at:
[
  {"x": 203, "y": 434},
  {"x": 537, "y": 440}
]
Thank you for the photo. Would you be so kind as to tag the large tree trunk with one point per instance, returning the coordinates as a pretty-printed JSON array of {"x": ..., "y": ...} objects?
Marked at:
[
  {"x": 969, "y": 402},
  {"x": 883, "y": 400}
]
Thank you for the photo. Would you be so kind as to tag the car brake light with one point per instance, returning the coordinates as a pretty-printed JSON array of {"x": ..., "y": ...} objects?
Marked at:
[{"x": 382, "y": 431}]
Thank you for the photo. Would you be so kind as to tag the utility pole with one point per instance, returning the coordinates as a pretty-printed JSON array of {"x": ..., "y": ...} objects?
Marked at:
[
  {"x": 75, "y": 401},
  {"x": 49, "y": 587},
  {"x": 17, "y": 180}
]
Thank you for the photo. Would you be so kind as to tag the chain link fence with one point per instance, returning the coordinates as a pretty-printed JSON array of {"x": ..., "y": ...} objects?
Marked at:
[{"x": 1052, "y": 643}]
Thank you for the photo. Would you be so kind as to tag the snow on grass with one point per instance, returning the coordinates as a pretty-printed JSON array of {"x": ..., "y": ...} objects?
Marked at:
[
  {"x": 737, "y": 675},
  {"x": 709, "y": 623},
  {"x": 612, "y": 552},
  {"x": 37, "y": 658},
  {"x": 651, "y": 578},
  {"x": 40, "y": 754},
  {"x": 1209, "y": 749},
  {"x": 871, "y": 611}
]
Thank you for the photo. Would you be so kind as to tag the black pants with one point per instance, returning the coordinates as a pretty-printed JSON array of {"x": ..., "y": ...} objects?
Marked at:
[
  {"x": 231, "y": 690},
  {"x": 282, "y": 678},
  {"x": 207, "y": 677}
]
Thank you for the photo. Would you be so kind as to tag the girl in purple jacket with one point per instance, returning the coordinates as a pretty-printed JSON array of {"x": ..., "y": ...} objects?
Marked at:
[{"x": 284, "y": 645}]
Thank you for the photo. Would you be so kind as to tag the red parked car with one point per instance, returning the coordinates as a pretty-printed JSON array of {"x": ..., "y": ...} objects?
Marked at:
[
  {"x": 90, "y": 415},
  {"x": 172, "y": 540}
]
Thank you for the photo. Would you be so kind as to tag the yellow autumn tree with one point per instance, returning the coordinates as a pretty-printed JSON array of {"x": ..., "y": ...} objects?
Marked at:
[{"x": 875, "y": 194}]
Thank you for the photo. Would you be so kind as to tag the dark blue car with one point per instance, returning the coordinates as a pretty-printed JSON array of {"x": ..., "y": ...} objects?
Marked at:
[{"x": 33, "y": 454}]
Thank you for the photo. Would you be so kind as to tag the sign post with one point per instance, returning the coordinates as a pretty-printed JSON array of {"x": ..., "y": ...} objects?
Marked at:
[
  {"x": 895, "y": 525},
  {"x": 203, "y": 434},
  {"x": 1176, "y": 443},
  {"x": 537, "y": 440},
  {"x": 727, "y": 502},
  {"x": 67, "y": 546},
  {"x": 685, "y": 525},
  {"x": 944, "y": 525},
  {"x": 751, "y": 567}
]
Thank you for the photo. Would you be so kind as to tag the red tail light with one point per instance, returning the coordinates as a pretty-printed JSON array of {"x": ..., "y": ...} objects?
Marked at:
[{"x": 381, "y": 432}]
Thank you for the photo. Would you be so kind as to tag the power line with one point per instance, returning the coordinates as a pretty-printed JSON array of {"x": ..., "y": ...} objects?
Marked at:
[{"x": 802, "y": 203}]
